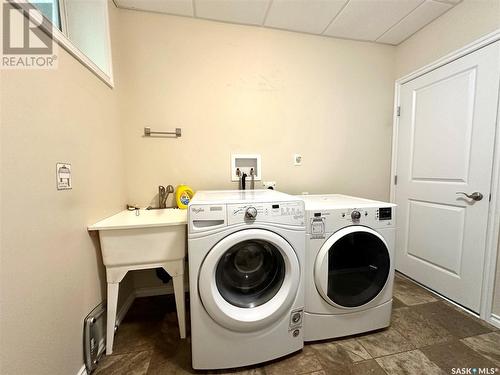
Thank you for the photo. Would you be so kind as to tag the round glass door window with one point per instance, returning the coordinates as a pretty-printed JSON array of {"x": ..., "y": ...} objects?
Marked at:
[
  {"x": 358, "y": 267},
  {"x": 250, "y": 273}
]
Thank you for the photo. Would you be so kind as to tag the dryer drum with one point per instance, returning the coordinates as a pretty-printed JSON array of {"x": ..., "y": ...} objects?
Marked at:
[{"x": 358, "y": 268}]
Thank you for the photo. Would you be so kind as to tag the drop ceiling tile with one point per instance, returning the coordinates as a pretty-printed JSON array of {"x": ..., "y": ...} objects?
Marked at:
[
  {"x": 250, "y": 12},
  {"x": 310, "y": 16},
  {"x": 369, "y": 19},
  {"x": 178, "y": 7},
  {"x": 424, "y": 14}
]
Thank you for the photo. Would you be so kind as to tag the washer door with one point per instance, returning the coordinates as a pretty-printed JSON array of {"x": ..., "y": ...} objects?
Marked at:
[
  {"x": 249, "y": 279},
  {"x": 352, "y": 267}
]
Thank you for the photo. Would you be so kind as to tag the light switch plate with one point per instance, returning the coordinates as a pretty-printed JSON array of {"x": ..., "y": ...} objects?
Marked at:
[{"x": 63, "y": 175}]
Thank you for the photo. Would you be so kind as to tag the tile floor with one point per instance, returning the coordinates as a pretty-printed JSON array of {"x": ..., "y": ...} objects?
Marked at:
[{"x": 427, "y": 336}]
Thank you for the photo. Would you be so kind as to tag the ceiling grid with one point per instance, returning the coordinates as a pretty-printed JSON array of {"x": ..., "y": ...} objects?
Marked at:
[{"x": 382, "y": 21}]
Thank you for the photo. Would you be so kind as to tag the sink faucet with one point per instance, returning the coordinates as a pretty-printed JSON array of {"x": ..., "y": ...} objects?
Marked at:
[{"x": 163, "y": 193}]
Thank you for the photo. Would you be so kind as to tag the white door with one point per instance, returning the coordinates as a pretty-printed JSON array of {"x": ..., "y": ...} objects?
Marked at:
[{"x": 445, "y": 146}]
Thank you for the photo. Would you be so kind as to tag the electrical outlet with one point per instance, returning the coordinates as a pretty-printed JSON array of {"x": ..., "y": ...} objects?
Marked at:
[
  {"x": 269, "y": 185},
  {"x": 297, "y": 159}
]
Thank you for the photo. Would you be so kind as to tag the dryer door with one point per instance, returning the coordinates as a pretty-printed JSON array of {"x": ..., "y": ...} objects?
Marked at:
[
  {"x": 352, "y": 267},
  {"x": 249, "y": 279}
]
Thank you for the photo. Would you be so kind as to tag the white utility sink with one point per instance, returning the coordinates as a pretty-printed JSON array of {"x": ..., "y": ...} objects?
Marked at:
[
  {"x": 146, "y": 219},
  {"x": 151, "y": 237},
  {"x": 143, "y": 239}
]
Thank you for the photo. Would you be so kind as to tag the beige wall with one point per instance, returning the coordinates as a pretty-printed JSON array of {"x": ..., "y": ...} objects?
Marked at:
[
  {"x": 462, "y": 25},
  {"x": 231, "y": 89},
  {"x": 252, "y": 90},
  {"x": 51, "y": 271}
]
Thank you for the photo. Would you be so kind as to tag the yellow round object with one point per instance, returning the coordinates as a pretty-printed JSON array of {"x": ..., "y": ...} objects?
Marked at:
[{"x": 183, "y": 195}]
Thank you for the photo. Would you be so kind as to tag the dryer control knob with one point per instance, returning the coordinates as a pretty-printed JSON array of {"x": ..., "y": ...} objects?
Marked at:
[
  {"x": 251, "y": 213},
  {"x": 355, "y": 215}
]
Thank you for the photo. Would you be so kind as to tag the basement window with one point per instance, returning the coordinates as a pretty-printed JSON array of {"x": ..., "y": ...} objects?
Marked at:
[
  {"x": 81, "y": 27},
  {"x": 50, "y": 10}
]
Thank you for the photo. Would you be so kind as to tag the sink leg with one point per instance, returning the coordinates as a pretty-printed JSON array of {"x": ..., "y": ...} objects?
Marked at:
[
  {"x": 180, "y": 303},
  {"x": 111, "y": 317}
]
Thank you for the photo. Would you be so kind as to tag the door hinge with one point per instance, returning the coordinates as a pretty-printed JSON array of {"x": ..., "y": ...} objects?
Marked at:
[
  {"x": 395, "y": 179},
  {"x": 398, "y": 111},
  {"x": 489, "y": 198}
]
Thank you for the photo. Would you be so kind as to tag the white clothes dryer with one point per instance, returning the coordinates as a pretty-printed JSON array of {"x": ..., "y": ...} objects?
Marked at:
[
  {"x": 349, "y": 265},
  {"x": 246, "y": 272}
]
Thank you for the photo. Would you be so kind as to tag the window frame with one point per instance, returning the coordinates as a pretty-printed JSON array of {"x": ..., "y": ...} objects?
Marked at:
[{"x": 62, "y": 40}]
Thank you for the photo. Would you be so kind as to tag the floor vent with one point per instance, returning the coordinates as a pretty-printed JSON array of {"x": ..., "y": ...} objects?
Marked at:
[{"x": 94, "y": 333}]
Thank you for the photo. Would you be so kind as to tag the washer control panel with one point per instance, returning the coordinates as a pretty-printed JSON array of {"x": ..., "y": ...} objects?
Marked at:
[{"x": 284, "y": 212}]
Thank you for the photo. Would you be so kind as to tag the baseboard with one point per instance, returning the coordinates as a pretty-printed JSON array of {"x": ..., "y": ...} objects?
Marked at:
[
  {"x": 495, "y": 320},
  {"x": 464, "y": 309},
  {"x": 82, "y": 371},
  {"x": 159, "y": 290},
  {"x": 154, "y": 291}
]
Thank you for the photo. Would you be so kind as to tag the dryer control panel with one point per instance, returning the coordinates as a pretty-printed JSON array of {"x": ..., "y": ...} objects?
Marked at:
[{"x": 327, "y": 221}]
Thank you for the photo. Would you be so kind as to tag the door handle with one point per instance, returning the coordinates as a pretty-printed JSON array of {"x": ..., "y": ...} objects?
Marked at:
[{"x": 477, "y": 196}]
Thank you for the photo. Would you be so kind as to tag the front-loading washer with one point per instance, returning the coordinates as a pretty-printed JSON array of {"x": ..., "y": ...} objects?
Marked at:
[
  {"x": 349, "y": 265},
  {"x": 246, "y": 272}
]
